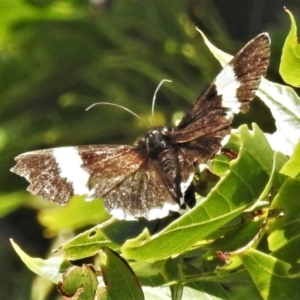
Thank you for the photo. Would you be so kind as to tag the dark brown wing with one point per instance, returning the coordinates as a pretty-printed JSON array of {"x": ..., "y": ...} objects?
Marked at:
[
  {"x": 229, "y": 93},
  {"x": 59, "y": 173},
  {"x": 200, "y": 132},
  {"x": 145, "y": 193},
  {"x": 129, "y": 181}
]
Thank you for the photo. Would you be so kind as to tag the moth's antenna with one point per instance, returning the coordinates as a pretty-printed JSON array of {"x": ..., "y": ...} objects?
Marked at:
[
  {"x": 154, "y": 96},
  {"x": 119, "y": 106}
]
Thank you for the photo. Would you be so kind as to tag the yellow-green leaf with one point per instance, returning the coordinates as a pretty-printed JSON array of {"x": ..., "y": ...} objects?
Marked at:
[
  {"x": 292, "y": 167},
  {"x": 48, "y": 268},
  {"x": 271, "y": 276},
  {"x": 120, "y": 281},
  {"x": 290, "y": 59}
]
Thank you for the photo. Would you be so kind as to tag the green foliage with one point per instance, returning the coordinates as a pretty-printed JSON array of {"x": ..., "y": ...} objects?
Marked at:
[
  {"x": 290, "y": 59},
  {"x": 50, "y": 268},
  {"x": 184, "y": 252},
  {"x": 292, "y": 167},
  {"x": 241, "y": 240},
  {"x": 117, "y": 273}
]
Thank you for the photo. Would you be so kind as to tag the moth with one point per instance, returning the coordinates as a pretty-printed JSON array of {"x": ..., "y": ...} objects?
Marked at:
[{"x": 152, "y": 177}]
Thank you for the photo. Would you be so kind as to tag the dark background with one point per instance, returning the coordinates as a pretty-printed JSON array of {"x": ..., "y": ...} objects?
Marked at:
[{"x": 59, "y": 57}]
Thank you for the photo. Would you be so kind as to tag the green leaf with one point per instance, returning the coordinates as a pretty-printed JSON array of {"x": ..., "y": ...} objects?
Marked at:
[
  {"x": 239, "y": 235},
  {"x": 86, "y": 244},
  {"x": 247, "y": 226},
  {"x": 290, "y": 59},
  {"x": 284, "y": 238},
  {"x": 283, "y": 102},
  {"x": 233, "y": 285},
  {"x": 171, "y": 270},
  {"x": 276, "y": 179},
  {"x": 239, "y": 189},
  {"x": 49, "y": 268},
  {"x": 220, "y": 55},
  {"x": 111, "y": 233},
  {"x": 271, "y": 276},
  {"x": 148, "y": 273},
  {"x": 79, "y": 283},
  {"x": 220, "y": 165},
  {"x": 205, "y": 290},
  {"x": 120, "y": 281},
  {"x": 292, "y": 167},
  {"x": 221, "y": 162}
]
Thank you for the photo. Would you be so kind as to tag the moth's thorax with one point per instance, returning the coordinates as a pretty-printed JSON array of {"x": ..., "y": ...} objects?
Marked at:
[{"x": 156, "y": 141}]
